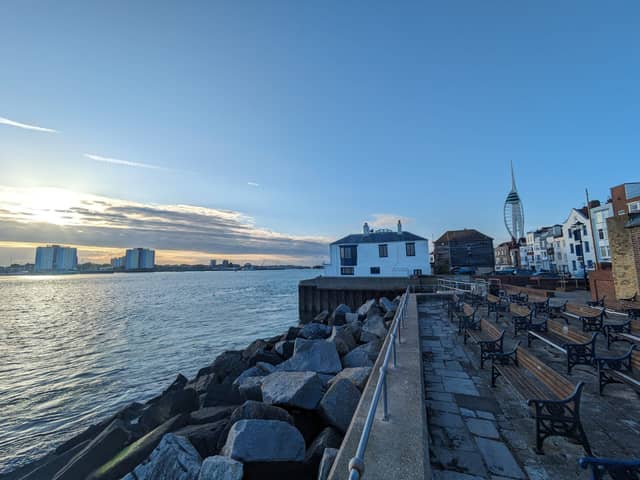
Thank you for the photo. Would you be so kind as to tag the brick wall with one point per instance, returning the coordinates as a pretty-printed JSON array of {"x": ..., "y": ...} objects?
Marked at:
[{"x": 625, "y": 258}]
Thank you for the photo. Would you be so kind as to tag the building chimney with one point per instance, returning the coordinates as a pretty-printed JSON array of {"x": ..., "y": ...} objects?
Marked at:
[
  {"x": 365, "y": 229},
  {"x": 399, "y": 226}
]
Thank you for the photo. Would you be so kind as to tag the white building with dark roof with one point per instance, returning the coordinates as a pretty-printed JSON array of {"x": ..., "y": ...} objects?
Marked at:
[{"x": 379, "y": 253}]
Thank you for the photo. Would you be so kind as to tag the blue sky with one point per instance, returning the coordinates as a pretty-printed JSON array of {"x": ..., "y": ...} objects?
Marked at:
[{"x": 338, "y": 111}]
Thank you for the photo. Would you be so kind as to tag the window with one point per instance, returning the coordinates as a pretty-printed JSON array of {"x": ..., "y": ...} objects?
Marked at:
[
  {"x": 346, "y": 270},
  {"x": 573, "y": 264},
  {"x": 590, "y": 263},
  {"x": 571, "y": 247},
  {"x": 383, "y": 250},
  {"x": 586, "y": 247},
  {"x": 349, "y": 255},
  {"x": 417, "y": 271},
  {"x": 604, "y": 251},
  {"x": 375, "y": 270},
  {"x": 570, "y": 233},
  {"x": 411, "y": 249},
  {"x": 601, "y": 234},
  {"x": 584, "y": 230}
]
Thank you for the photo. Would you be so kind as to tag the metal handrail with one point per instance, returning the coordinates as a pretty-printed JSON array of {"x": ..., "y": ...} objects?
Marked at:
[
  {"x": 477, "y": 287},
  {"x": 356, "y": 464}
]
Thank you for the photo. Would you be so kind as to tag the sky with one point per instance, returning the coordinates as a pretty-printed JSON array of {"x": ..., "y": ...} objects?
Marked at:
[{"x": 261, "y": 131}]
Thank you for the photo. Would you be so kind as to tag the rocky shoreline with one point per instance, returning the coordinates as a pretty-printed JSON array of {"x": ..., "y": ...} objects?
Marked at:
[{"x": 277, "y": 409}]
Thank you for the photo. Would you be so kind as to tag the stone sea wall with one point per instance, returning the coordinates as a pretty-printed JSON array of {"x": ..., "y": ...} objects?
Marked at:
[{"x": 276, "y": 410}]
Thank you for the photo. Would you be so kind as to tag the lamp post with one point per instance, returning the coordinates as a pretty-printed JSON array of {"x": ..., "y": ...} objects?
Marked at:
[{"x": 577, "y": 229}]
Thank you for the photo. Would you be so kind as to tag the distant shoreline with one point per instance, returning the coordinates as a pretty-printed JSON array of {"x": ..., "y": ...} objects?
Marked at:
[{"x": 159, "y": 269}]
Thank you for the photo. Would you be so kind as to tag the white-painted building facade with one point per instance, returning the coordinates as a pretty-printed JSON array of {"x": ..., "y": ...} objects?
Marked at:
[
  {"x": 599, "y": 217},
  {"x": 139, "y": 259},
  {"x": 579, "y": 248},
  {"x": 380, "y": 253}
]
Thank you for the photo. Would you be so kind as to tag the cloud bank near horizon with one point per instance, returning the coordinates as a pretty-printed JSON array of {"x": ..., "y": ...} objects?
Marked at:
[{"x": 46, "y": 215}]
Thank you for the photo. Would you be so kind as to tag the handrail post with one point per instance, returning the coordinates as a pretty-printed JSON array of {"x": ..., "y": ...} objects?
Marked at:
[{"x": 395, "y": 360}]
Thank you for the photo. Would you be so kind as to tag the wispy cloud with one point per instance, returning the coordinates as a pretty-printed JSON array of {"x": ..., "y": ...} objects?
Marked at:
[
  {"x": 26, "y": 126},
  {"x": 253, "y": 184},
  {"x": 388, "y": 220},
  {"x": 126, "y": 163}
]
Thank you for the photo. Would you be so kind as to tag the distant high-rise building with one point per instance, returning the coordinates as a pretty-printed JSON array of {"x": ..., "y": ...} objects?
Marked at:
[
  {"x": 118, "y": 262},
  {"x": 225, "y": 263},
  {"x": 513, "y": 212},
  {"x": 139, "y": 259},
  {"x": 54, "y": 258},
  {"x": 213, "y": 263}
]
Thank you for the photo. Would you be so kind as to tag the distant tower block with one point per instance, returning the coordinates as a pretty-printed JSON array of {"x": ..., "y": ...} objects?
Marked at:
[{"x": 513, "y": 211}]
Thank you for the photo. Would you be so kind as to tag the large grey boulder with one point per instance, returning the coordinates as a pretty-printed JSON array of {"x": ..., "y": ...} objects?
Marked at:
[
  {"x": 221, "y": 468},
  {"x": 328, "y": 438},
  {"x": 358, "y": 376},
  {"x": 356, "y": 358},
  {"x": 363, "y": 311},
  {"x": 387, "y": 305},
  {"x": 315, "y": 331},
  {"x": 339, "y": 403},
  {"x": 97, "y": 452},
  {"x": 210, "y": 414},
  {"x": 371, "y": 348},
  {"x": 293, "y": 389},
  {"x": 173, "y": 401},
  {"x": 135, "y": 453},
  {"x": 264, "y": 441},
  {"x": 221, "y": 394},
  {"x": 322, "y": 317},
  {"x": 355, "y": 328},
  {"x": 342, "y": 338},
  {"x": 204, "y": 437},
  {"x": 252, "y": 410},
  {"x": 312, "y": 355},
  {"x": 260, "y": 369},
  {"x": 285, "y": 348},
  {"x": 174, "y": 459},
  {"x": 373, "y": 328},
  {"x": 250, "y": 388},
  {"x": 328, "y": 457},
  {"x": 338, "y": 315},
  {"x": 228, "y": 365}
]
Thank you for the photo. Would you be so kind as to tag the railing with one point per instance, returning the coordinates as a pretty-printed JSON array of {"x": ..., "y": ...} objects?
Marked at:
[
  {"x": 477, "y": 287},
  {"x": 356, "y": 464}
]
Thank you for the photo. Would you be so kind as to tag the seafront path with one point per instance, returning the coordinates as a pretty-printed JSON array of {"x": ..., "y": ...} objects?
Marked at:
[{"x": 446, "y": 422}]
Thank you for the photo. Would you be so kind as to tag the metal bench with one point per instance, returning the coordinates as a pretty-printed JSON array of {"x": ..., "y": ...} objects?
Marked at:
[
  {"x": 623, "y": 369},
  {"x": 592, "y": 318},
  {"x": 555, "y": 401},
  {"x": 616, "y": 469},
  {"x": 454, "y": 305},
  {"x": 488, "y": 337},
  {"x": 495, "y": 305},
  {"x": 466, "y": 318},
  {"x": 597, "y": 303},
  {"x": 579, "y": 348},
  {"x": 625, "y": 307},
  {"x": 628, "y": 331},
  {"x": 521, "y": 316},
  {"x": 538, "y": 304}
]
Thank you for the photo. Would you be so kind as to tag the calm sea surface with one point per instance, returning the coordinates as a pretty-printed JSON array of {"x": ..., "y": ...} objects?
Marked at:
[{"x": 74, "y": 349}]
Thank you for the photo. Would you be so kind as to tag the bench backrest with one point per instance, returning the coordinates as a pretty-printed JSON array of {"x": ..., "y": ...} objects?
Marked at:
[
  {"x": 519, "y": 310},
  {"x": 635, "y": 326},
  {"x": 467, "y": 310},
  {"x": 533, "y": 299},
  {"x": 564, "y": 331},
  {"x": 490, "y": 329},
  {"x": 558, "y": 384},
  {"x": 582, "y": 310},
  {"x": 635, "y": 361},
  {"x": 492, "y": 298}
]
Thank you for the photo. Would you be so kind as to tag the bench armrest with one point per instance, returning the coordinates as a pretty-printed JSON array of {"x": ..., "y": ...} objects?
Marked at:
[
  {"x": 601, "y": 465},
  {"x": 588, "y": 342},
  {"x": 504, "y": 358},
  {"x": 616, "y": 363}
]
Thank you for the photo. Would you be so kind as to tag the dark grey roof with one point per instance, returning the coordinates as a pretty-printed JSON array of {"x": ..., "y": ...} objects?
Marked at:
[
  {"x": 378, "y": 237},
  {"x": 466, "y": 235}
]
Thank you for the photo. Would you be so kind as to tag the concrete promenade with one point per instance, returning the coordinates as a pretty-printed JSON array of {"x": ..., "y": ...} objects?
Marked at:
[{"x": 397, "y": 448}]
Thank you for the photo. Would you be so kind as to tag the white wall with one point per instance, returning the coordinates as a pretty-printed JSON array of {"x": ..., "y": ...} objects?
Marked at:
[
  {"x": 574, "y": 217},
  {"x": 396, "y": 264},
  {"x": 599, "y": 217}
]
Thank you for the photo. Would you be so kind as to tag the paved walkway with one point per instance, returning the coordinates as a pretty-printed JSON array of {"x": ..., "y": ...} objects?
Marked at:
[{"x": 465, "y": 443}]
